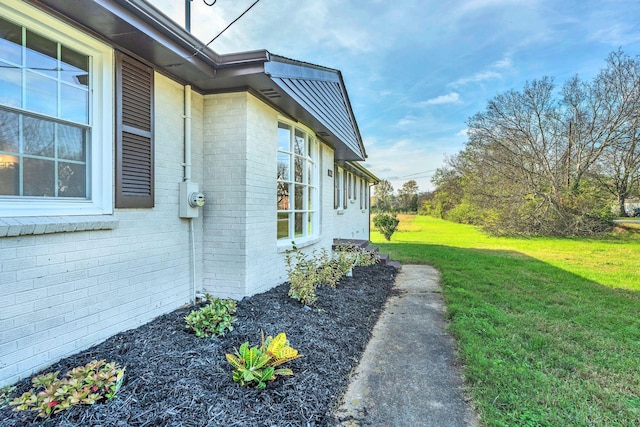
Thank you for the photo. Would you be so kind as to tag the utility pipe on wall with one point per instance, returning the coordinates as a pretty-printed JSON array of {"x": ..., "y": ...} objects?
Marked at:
[
  {"x": 187, "y": 178},
  {"x": 187, "y": 133}
]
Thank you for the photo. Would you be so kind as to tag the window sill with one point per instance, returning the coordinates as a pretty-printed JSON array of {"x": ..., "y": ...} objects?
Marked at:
[
  {"x": 283, "y": 247},
  {"x": 24, "y": 226}
]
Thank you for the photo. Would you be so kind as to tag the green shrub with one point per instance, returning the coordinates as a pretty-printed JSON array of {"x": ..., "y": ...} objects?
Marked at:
[
  {"x": 348, "y": 256},
  {"x": 257, "y": 365},
  {"x": 214, "y": 319},
  {"x": 386, "y": 223},
  {"x": 306, "y": 273},
  {"x": 82, "y": 385},
  {"x": 303, "y": 276}
]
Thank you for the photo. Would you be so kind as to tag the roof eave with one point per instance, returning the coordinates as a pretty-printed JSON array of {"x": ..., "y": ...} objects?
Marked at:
[{"x": 138, "y": 27}]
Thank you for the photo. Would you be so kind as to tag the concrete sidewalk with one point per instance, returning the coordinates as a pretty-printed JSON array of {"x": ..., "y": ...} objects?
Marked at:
[{"x": 407, "y": 375}]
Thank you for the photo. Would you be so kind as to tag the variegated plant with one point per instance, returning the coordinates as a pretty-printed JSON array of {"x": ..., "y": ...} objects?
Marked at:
[
  {"x": 257, "y": 365},
  {"x": 86, "y": 385}
]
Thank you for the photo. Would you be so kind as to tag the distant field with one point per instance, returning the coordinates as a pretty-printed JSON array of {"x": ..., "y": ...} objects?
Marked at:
[{"x": 548, "y": 328}]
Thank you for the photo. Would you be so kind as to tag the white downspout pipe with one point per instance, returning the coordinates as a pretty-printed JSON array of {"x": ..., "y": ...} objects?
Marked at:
[
  {"x": 187, "y": 133},
  {"x": 187, "y": 178}
]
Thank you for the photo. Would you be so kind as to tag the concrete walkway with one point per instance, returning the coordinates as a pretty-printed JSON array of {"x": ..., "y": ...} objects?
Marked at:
[{"x": 407, "y": 375}]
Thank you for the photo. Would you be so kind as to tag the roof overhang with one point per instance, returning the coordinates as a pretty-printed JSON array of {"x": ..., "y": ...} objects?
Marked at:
[{"x": 313, "y": 95}]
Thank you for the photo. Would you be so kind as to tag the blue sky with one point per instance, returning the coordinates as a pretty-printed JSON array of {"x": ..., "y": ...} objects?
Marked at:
[{"x": 416, "y": 70}]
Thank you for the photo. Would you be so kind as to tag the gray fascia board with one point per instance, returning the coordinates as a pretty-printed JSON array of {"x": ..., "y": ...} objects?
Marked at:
[{"x": 288, "y": 70}]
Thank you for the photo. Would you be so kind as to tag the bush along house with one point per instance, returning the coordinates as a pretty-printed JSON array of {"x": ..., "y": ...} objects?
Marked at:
[{"x": 138, "y": 168}]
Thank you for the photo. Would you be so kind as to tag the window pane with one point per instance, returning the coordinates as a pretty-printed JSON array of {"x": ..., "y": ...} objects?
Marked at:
[
  {"x": 41, "y": 94},
  {"x": 298, "y": 165},
  {"x": 71, "y": 180},
  {"x": 284, "y": 173},
  {"x": 71, "y": 143},
  {"x": 299, "y": 225},
  {"x": 38, "y": 137},
  {"x": 299, "y": 201},
  {"x": 10, "y": 42},
  {"x": 10, "y": 85},
  {"x": 74, "y": 104},
  {"x": 311, "y": 194},
  {"x": 75, "y": 67},
  {"x": 309, "y": 224},
  {"x": 42, "y": 54},
  {"x": 9, "y": 175},
  {"x": 283, "y": 225},
  {"x": 9, "y": 126},
  {"x": 38, "y": 178},
  {"x": 299, "y": 145},
  {"x": 283, "y": 196},
  {"x": 284, "y": 137}
]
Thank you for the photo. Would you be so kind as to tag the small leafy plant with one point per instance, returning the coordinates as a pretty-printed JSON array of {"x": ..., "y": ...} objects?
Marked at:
[
  {"x": 5, "y": 395},
  {"x": 386, "y": 223},
  {"x": 86, "y": 385},
  {"x": 257, "y": 365},
  {"x": 214, "y": 319}
]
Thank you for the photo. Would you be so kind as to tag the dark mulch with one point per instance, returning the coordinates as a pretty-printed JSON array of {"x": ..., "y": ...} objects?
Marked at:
[{"x": 174, "y": 378}]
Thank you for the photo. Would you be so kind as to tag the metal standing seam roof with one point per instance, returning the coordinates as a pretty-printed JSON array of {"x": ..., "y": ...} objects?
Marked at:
[{"x": 322, "y": 93}]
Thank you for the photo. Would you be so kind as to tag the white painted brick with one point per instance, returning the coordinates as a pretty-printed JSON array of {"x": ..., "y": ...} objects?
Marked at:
[{"x": 104, "y": 281}]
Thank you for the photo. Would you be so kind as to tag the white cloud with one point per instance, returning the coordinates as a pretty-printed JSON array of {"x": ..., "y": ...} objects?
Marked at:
[
  {"x": 405, "y": 158},
  {"x": 616, "y": 35},
  {"x": 463, "y": 132},
  {"x": 450, "y": 98},
  {"x": 476, "y": 78},
  {"x": 503, "y": 63},
  {"x": 407, "y": 120}
]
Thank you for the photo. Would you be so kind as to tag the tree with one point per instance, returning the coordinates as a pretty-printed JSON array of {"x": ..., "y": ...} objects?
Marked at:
[
  {"x": 386, "y": 223},
  {"x": 408, "y": 196},
  {"x": 512, "y": 152},
  {"x": 619, "y": 170},
  {"x": 538, "y": 163},
  {"x": 383, "y": 194},
  {"x": 606, "y": 131},
  {"x": 601, "y": 115}
]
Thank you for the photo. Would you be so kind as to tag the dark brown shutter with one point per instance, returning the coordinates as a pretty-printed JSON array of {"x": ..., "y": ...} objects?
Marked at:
[
  {"x": 336, "y": 188},
  {"x": 134, "y": 134},
  {"x": 345, "y": 189}
]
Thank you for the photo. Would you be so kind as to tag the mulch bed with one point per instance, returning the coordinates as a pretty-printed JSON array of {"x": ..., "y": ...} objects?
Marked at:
[{"x": 174, "y": 378}]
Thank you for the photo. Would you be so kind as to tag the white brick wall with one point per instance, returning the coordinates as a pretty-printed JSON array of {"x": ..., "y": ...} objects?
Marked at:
[
  {"x": 64, "y": 292},
  {"x": 352, "y": 222},
  {"x": 240, "y": 248}
]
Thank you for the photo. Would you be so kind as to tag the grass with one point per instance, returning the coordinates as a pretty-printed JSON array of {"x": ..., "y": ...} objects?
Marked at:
[{"x": 548, "y": 329}]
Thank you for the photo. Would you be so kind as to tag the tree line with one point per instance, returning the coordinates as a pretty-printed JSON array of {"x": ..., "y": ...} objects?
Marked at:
[
  {"x": 408, "y": 200},
  {"x": 543, "y": 161}
]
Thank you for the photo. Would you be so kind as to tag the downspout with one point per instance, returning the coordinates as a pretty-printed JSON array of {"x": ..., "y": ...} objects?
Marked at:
[
  {"x": 187, "y": 133},
  {"x": 187, "y": 178}
]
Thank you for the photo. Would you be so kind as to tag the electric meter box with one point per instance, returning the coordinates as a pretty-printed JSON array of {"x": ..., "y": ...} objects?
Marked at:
[{"x": 191, "y": 200}]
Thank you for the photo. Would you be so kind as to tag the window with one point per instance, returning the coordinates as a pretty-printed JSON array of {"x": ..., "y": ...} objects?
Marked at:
[
  {"x": 297, "y": 183},
  {"x": 361, "y": 193},
  {"x": 54, "y": 124}
]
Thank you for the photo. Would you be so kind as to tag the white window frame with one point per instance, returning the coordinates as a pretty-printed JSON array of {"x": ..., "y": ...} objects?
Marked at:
[
  {"x": 310, "y": 185},
  {"x": 100, "y": 151}
]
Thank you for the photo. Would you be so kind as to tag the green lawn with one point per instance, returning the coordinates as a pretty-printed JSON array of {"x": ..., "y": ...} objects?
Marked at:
[{"x": 548, "y": 329}]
